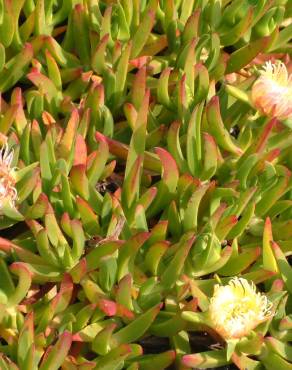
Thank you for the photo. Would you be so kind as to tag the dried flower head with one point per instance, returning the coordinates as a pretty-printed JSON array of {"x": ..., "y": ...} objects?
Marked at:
[
  {"x": 272, "y": 92},
  {"x": 8, "y": 193},
  {"x": 236, "y": 308}
]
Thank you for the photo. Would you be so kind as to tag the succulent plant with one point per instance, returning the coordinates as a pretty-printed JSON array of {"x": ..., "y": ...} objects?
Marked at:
[{"x": 145, "y": 184}]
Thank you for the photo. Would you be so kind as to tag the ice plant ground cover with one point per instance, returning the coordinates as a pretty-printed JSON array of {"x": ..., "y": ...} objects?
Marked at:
[{"x": 145, "y": 184}]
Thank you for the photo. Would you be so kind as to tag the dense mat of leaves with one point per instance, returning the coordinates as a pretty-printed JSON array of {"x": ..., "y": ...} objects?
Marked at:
[{"x": 145, "y": 184}]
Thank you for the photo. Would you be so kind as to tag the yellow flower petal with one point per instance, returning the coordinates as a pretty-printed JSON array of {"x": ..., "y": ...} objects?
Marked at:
[
  {"x": 272, "y": 91},
  {"x": 8, "y": 191},
  {"x": 236, "y": 309}
]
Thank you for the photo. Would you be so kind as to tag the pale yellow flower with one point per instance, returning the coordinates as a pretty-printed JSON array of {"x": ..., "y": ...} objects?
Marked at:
[
  {"x": 8, "y": 193},
  {"x": 272, "y": 91},
  {"x": 236, "y": 308}
]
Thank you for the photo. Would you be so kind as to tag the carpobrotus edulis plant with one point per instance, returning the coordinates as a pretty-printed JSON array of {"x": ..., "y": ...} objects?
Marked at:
[{"x": 145, "y": 184}]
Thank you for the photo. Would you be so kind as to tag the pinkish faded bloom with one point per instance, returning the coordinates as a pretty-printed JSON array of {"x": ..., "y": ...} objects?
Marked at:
[
  {"x": 272, "y": 91},
  {"x": 236, "y": 308},
  {"x": 8, "y": 193}
]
